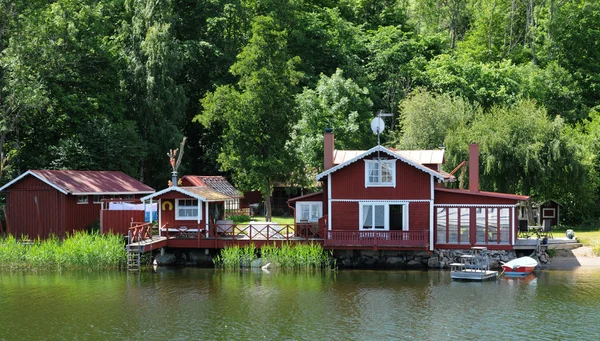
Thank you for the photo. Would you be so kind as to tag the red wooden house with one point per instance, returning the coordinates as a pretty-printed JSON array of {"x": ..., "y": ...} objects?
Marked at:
[
  {"x": 188, "y": 209},
  {"x": 44, "y": 202},
  {"x": 384, "y": 198}
]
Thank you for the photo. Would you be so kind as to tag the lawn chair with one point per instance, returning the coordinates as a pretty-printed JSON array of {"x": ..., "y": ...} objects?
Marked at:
[
  {"x": 523, "y": 229},
  {"x": 547, "y": 229}
]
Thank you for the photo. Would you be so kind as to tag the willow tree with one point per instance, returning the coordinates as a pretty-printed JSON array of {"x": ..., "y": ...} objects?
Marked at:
[{"x": 257, "y": 113}]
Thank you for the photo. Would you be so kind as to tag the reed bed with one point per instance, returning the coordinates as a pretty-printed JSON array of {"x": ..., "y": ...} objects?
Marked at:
[
  {"x": 288, "y": 256},
  {"x": 80, "y": 250}
]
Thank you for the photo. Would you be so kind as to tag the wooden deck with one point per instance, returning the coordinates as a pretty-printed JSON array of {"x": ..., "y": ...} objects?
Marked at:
[
  {"x": 147, "y": 245},
  {"x": 553, "y": 243},
  {"x": 221, "y": 236}
]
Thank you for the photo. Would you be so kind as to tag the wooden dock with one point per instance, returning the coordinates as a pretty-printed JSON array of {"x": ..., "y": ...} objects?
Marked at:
[
  {"x": 147, "y": 245},
  {"x": 553, "y": 243}
]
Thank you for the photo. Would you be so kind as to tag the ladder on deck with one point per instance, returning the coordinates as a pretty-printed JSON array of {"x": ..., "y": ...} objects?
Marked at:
[{"x": 133, "y": 260}]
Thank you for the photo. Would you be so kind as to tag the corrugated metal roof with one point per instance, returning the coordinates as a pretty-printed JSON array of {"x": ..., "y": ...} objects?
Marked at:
[
  {"x": 484, "y": 194},
  {"x": 88, "y": 182},
  {"x": 435, "y": 156},
  {"x": 209, "y": 193},
  {"x": 218, "y": 183},
  {"x": 402, "y": 157}
]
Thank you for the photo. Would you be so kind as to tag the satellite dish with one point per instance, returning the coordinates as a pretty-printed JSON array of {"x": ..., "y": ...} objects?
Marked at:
[{"x": 377, "y": 125}]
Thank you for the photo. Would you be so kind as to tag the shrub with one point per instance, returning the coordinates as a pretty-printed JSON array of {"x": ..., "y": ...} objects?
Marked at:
[{"x": 241, "y": 218}]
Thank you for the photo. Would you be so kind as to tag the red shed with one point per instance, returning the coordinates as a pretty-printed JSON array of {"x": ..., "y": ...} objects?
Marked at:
[
  {"x": 390, "y": 198},
  {"x": 44, "y": 202}
]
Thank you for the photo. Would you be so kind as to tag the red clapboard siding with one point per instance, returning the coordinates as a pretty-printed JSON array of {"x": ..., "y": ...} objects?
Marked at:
[
  {"x": 26, "y": 218},
  {"x": 418, "y": 216},
  {"x": 168, "y": 216},
  {"x": 442, "y": 197},
  {"x": 411, "y": 183},
  {"x": 344, "y": 216},
  {"x": 80, "y": 216},
  {"x": 118, "y": 222}
]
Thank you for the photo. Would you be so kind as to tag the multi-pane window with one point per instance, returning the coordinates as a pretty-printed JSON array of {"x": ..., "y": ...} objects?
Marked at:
[
  {"x": 373, "y": 216},
  {"x": 481, "y": 225},
  {"x": 309, "y": 211},
  {"x": 453, "y": 225},
  {"x": 82, "y": 199},
  {"x": 504, "y": 224},
  {"x": 380, "y": 173},
  {"x": 187, "y": 209}
]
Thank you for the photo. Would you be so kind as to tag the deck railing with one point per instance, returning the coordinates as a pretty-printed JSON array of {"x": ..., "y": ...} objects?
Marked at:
[
  {"x": 139, "y": 232},
  {"x": 261, "y": 231},
  {"x": 418, "y": 238}
]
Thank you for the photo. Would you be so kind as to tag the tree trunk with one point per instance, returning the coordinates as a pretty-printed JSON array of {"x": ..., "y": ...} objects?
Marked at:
[
  {"x": 490, "y": 32},
  {"x": 532, "y": 28},
  {"x": 267, "y": 196}
]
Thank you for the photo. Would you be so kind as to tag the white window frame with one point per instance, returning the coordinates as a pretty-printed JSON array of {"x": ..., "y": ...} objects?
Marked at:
[
  {"x": 198, "y": 207},
  {"x": 97, "y": 199},
  {"x": 546, "y": 216},
  {"x": 310, "y": 205},
  {"x": 392, "y": 167},
  {"x": 386, "y": 204},
  {"x": 386, "y": 216},
  {"x": 81, "y": 201}
]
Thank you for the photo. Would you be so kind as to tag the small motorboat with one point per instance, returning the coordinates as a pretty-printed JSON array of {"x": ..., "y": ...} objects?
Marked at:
[{"x": 520, "y": 267}]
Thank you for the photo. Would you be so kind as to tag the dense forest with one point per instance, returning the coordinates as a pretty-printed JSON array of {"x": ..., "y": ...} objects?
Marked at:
[{"x": 115, "y": 84}]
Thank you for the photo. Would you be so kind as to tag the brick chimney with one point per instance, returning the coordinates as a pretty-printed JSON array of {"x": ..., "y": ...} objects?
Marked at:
[
  {"x": 328, "y": 149},
  {"x": 474, "y": 167}
]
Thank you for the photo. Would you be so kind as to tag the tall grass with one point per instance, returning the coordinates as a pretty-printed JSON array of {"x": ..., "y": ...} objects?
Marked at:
[
  {"x": 288, "y": 256},
  {"x": 235, "y": 257},
  {"x": 296, "y": 256},
  {"x": 79, "y": 250}
]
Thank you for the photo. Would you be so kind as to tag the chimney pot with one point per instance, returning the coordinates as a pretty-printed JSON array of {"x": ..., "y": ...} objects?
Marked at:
[
  {"x": 328, "y": 148},
  {"x": 474, "y": 167}
]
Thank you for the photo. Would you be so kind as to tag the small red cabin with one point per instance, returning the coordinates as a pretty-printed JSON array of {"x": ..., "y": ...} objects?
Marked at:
[
  {"x": 385, "y": 198},
  {"x": 191, "y": 209},
  {"x": 45, "y": 202}
]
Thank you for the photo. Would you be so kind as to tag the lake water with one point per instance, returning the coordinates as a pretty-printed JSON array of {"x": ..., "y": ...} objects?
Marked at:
[{"x": 203, "y": 304}]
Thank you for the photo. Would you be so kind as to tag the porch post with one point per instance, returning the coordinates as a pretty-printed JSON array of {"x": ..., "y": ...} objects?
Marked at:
[
  {"x": 159, "y": 210},
  {"x": 206, "y": 216},
  {"x": 431, "y": 214},
  {"x": 329, "y": 213}
]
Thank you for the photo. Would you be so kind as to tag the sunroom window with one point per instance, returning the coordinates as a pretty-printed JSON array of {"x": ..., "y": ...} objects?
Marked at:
[
  {"x": 309, "y": 211},
  {"x": 380, "y": 173}
]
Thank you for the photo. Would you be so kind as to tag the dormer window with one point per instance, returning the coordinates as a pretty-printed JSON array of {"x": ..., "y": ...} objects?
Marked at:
[{"x": 380, "y": 173}]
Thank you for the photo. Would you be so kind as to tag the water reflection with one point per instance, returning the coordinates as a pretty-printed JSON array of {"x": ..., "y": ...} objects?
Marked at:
[{"x": 182, "y": 304}]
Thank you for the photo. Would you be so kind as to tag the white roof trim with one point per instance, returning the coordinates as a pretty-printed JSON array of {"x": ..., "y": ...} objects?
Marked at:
[
  {"x": 29, "y": 172},
  {"x": 176, "y": 189},
  {"x": 388, "y": 152},
  {"x": 111, "y": 193}
]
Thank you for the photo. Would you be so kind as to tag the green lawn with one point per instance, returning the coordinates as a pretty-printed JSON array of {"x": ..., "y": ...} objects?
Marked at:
[
  {"x": 279, "y": 220},
  {"x": 587, "y": 238}
]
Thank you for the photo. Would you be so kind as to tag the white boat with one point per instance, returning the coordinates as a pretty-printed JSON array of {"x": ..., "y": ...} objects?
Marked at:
[
  {"x": 519, "y": 267},
  {"x": 473, "y": 267}
]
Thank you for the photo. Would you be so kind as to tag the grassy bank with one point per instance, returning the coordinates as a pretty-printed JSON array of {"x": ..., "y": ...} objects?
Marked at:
[
  {"x": 78, "y": 251},
  {"x": 288, "y": 256},
  {"x": 586, "y": 236}
]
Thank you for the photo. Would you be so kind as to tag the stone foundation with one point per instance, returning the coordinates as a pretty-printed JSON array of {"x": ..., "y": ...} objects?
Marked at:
[{"x": 437, "y": 259}]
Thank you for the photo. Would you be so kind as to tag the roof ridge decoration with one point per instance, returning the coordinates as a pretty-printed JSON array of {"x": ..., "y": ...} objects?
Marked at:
[{"x": 389, "y": 152}]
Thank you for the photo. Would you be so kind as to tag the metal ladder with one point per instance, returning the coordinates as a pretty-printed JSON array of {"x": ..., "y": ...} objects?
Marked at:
[{"x": 133, "y": 256}]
